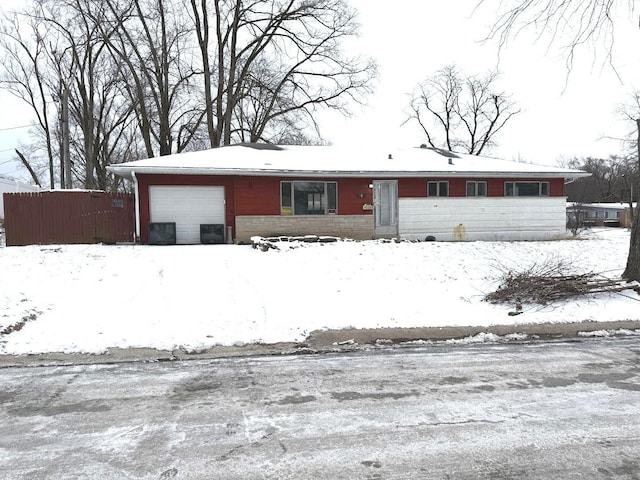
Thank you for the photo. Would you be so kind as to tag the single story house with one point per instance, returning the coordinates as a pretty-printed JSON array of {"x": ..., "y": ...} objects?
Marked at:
[
  {"x": 615, "y": 214},
  {"x": 236, "y": 192},
  {"x": 13, "y": 186}
]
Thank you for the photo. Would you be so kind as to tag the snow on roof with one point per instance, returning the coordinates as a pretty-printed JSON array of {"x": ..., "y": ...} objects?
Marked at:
[
  {"x": 9, "y": 185},
  {"x": 323, "y": 161},
  {"x": 602, "y": 205}
]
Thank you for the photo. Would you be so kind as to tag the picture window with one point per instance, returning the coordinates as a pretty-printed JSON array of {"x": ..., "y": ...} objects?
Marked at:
[
  {"x": 308, "y": 198},
  {"x": 526, "y": 189}
]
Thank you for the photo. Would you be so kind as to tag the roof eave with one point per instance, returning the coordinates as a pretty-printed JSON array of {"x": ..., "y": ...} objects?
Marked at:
[{"x": 127, "y": 173}]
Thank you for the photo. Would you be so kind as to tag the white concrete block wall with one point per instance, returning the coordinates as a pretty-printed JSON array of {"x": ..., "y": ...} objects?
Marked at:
[
  {"x": 447, "y": 219},
  {"x": 484, "y": 218}
]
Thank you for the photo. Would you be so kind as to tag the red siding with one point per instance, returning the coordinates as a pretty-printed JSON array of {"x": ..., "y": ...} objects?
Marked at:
[
  {"x": 261, "y": 195},
  {"x": 557, "y": 187},
  {"x": 353, "y": 193},
  {"x": 417, "y": 187},
  {"x": 495, "y": 186},
  {"x": 412, "y": 187},
  {"x": 257, "y": 195}
]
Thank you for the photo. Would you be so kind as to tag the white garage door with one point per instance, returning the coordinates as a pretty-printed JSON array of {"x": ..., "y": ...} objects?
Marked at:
[{"x": 188, "y": 207}]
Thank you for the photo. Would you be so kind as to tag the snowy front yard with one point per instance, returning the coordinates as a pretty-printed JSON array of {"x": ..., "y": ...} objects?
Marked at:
[{"x": 87, "y": 298}]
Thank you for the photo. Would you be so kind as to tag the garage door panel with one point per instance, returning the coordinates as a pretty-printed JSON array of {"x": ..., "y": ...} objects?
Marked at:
[{"x": 188, "y": 207}]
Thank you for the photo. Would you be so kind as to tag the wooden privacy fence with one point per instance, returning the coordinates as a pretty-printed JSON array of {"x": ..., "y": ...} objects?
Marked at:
[{"x": 89, "y": 216}]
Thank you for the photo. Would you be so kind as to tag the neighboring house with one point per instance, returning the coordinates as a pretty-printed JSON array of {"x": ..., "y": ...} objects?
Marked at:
[
  {"x": 599, "y": 214},
  {"x": 13, "y": 186},
  {"x": 245, "y": 190}
]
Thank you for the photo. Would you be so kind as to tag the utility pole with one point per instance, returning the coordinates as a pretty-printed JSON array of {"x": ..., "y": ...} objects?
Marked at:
[
  {"x": 66, "y": 161},
  {"x": 636, "y": 212}
]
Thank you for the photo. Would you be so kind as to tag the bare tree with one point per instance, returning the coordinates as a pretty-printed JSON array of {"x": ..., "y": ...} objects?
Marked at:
[
  {"x": 631, "y": 113},
  {"x": 152, "y": 77},
  {"x": 92, "y": 87},
  {"x": 275, "y": 62},
  {"x": 149, "y": 40},
  {"x": 573, "y": 24},
  {"x": 27, "y": 165},
  {"x": 632, "y": 269},
  {"x": 26, "y": 76},
  {"x": 609, "y": 180},
  {"x": 460, "y": 113},
  {"x": 576, "y": 218},
  {"x": 69, "y": 66},
  {"x": 199, "y": 9},
  {"x": 588, "y": 22}
]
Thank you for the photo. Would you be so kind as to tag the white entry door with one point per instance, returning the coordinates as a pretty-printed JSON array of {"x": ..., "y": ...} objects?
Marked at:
[
  {"x": 188, "y": 207},
  {"x": 385, "y": 208}
]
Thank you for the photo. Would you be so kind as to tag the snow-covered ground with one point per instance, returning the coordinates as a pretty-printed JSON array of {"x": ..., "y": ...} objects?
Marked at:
[{"x": 87, "y": 298}]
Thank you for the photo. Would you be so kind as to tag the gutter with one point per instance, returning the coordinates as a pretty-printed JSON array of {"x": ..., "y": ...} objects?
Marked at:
[
  {"x": 137, "y": 201},
  {"x": 572, "y": 179},
  {"x": 354, "y": 173}
]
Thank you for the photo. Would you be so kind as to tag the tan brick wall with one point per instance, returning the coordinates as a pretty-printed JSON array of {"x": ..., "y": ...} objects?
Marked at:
[{"x": 357, "y": 227}]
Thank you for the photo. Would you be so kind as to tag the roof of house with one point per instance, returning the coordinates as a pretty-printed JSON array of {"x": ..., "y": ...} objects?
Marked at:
[
  {"x": 8, "y": 185},
  {"x": 329, "y": 161},
  {"x": 601, "y": 205}
]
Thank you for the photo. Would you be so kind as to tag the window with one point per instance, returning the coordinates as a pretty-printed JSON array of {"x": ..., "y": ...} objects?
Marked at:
[
  {"x": 526, "y": 189},
  {"x": 476, "y": 189},
  {"x": 437, "y": 189},
  {"x": 308, "y": 198}
]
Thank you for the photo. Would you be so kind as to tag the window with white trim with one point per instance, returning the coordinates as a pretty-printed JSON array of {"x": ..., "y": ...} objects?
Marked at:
[
  {"x": 526, "y": 189},
  {"x": 437, "y": 189},
  {"x": 476, "y": 189},
  {"x": 308, "y": 198}
]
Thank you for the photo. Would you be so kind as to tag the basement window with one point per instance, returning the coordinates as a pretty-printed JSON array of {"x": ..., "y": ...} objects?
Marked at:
[
  {"x": 437, "y": 189},
  {"x": 308, "y": 198},
  {"x": 526, "y": 189},
  {"x": 476, "y": 189}
]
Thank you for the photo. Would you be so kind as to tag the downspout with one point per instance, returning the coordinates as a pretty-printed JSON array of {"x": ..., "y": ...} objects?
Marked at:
[
  {"x": 137, "y": 206},
  {"x": 235, "y": 206}
]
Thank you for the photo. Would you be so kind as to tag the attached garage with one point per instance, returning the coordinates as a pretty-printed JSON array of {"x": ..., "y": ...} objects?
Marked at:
[
  {"x": 413, "y": 193},
  {"x": 188, "y": 207}
]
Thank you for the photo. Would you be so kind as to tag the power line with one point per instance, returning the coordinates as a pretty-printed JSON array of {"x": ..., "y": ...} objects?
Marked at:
[
  {"x": 7, "y": 162},
  {"x": 12, "y": 171},
  {"x": 14, "y": 128}
]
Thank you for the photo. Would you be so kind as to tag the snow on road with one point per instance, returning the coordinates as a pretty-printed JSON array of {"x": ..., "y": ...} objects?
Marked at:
[{"x": 87, "y": 298}]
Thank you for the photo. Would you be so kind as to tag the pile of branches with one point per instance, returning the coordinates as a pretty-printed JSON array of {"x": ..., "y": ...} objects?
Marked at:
[{"x": 551, "y": 281}]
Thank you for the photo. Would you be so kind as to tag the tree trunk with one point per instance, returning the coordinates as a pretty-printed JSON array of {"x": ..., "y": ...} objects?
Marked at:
[
  {"x": 27, "y": 165},
  {"x": 202, "y": 33},
  {"x": 632, "y": 272}
]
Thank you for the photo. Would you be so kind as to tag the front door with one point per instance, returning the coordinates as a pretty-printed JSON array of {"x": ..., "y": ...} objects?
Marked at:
[{"x": 385, "y": 208}]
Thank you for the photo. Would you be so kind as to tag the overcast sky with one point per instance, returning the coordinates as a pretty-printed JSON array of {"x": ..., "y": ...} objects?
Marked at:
[{"x": 561, "y": 117}]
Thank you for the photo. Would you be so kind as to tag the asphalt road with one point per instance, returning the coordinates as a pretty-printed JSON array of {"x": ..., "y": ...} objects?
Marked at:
[{"x": 540, "y": 410}]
